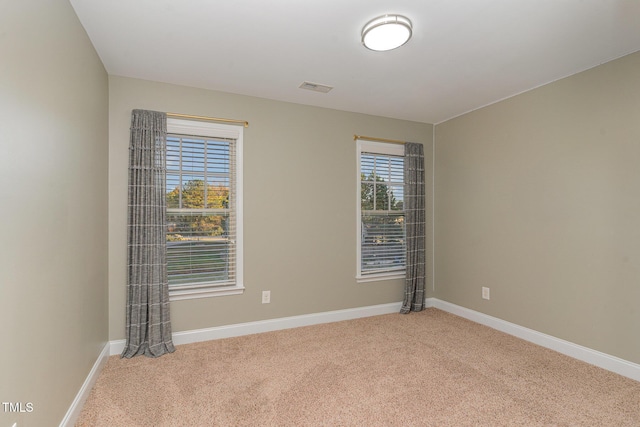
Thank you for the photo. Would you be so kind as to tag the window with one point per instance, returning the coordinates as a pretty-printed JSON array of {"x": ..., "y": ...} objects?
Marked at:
[
  {"x": 381, "y": 227},
  {"x": 204, "y": 209}
]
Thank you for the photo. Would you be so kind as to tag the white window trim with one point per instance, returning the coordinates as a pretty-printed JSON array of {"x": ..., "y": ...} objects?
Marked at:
[
  {"x": 363, "y": 145},
  {"x": 217, "y": 130},
  {"x": 218, "y": 291}
]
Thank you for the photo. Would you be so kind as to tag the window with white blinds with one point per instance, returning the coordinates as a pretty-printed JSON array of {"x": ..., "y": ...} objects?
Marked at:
[
  {"x": 381, "y": 211},
  {"x": 203, "y": 221}
]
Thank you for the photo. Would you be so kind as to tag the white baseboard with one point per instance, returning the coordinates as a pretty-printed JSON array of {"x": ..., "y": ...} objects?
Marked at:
[
  {"x": 74, "y": 410},
  {"x": 257, "y": 327},
  {"x": 602, "y": 360},
  {"x": 594, "y": 357}
]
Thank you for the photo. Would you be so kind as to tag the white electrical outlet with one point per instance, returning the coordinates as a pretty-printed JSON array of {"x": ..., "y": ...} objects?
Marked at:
[
  {"x": 485, "y": 293},
  {"x": 266, "y": 297}
]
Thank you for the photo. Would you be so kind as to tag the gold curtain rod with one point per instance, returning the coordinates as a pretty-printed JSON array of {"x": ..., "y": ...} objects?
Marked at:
[
  {"x": 208, "y": 119},
  {"x": 371, "y": 138}
]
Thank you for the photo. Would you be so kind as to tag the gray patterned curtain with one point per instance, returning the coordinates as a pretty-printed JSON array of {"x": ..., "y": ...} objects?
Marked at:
[
  {"x": 148, "y": 325},
  {"x": 414, "y": 211}
]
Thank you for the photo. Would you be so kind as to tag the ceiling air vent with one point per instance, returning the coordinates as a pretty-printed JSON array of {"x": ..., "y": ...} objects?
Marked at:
[{"x": 315, "y": 87}]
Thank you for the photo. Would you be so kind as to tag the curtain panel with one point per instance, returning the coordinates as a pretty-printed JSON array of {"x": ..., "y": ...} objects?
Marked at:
[
  {"x": 148, "y": 327},
  {"x": 414, "y": 208}
]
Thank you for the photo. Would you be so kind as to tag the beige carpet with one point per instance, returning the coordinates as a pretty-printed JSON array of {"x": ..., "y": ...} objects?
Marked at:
[{"x": 422, "y": 369}]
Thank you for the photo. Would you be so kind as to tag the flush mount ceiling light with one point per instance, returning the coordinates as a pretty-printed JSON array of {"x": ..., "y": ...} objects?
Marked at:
[{"x": 386, "y": 32}]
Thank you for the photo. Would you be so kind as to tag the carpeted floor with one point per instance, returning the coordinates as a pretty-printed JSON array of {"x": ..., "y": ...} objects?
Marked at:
[{"x": 423, "y": 369}]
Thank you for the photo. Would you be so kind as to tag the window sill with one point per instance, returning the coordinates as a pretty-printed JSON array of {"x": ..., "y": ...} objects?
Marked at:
[
  {"x": 181, "y": 294},
  {"x": 378, "y": 277}
]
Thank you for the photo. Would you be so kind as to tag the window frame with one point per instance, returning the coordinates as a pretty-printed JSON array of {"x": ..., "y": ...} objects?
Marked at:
[
  {"x": 206, "y": 129},
  {"x": 390, "y": 149}
]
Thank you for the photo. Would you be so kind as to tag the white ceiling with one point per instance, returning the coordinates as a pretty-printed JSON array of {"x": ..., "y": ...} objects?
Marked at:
[{"x": 464, "y": 54}]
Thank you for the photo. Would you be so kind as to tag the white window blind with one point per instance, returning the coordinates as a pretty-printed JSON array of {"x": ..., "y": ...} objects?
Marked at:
[
  {"x": 202, "y": 213},
  {"x": 382, "y": 226}
]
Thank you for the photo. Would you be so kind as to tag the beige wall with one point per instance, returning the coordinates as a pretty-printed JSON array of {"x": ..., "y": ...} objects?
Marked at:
[
  {"x": 300, "y": 203},
  {"x": 53, "y": 208},
  {"x": 538, "y": 198}
]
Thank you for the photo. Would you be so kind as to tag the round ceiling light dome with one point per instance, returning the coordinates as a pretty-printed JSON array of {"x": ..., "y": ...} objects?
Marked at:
[{"x": 386, "y": 32}]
